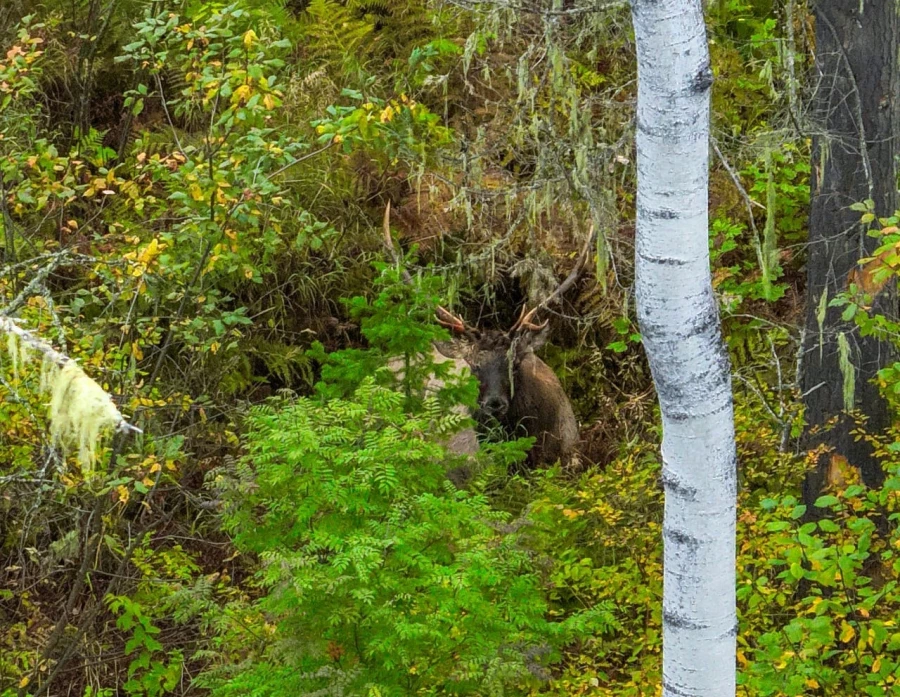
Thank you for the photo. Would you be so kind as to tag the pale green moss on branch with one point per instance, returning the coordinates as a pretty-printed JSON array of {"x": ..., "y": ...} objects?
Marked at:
[{"x": 80, "y": 411}]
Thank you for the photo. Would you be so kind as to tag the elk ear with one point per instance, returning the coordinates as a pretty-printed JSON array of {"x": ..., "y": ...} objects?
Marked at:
[{"x": 532, "y": 340}]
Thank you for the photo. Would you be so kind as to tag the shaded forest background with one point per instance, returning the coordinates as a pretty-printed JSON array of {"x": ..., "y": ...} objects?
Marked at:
[{"x": 191, "y": 202}]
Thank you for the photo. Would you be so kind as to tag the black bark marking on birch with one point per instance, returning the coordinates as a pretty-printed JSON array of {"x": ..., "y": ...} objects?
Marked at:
[
  {"x": 682, "y": 416},
  {"x": 682, "y": 130},
  {"x": 660, "y": 213},
  {"x": 703, "y": 80},
  {"x": 682, "y": 538},
  {"x": 732, "y": 631},
  {"x": 693, "y": 392},
  {"x": 730, "y": 480},
  {"x": 676, "y": 619},
  {"x": 674, "y": 484},
  {"x": 704, "y": 322},
  {"x": 664, "y": 261},
  {"x": 671, "y": 689}
]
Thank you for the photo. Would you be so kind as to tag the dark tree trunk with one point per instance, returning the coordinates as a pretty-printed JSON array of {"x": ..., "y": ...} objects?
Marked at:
[{"x": 855, "y": 116}]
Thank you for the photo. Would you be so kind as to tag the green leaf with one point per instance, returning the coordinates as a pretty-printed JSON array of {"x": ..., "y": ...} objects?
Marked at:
[
  {"x": 826, "y": 525},
  {"x": 826, "y": 501}
]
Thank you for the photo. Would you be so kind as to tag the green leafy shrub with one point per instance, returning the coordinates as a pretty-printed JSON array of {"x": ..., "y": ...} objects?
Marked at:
[
  {"x": 822, "y": 600},
  {"x": 378, "y": 575}
]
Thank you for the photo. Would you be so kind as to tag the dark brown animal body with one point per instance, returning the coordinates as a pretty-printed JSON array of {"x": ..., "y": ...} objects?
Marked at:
[{"x": 540, "y": 407}]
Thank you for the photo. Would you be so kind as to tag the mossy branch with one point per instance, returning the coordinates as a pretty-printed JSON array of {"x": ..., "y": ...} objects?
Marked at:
[{"x": 80, "y": 410}]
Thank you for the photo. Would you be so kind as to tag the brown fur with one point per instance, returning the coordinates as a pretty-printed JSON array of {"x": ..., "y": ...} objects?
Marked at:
[{"x": 540, "y": 406}]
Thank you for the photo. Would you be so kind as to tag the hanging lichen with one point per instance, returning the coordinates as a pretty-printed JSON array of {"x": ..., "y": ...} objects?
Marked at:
[
  {"x": 848, "y": 372},
  {"x": 12, "y": 346},
  {"x": 80, "y": 411}
]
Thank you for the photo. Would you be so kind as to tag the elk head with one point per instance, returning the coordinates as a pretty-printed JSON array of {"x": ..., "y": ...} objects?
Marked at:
[
  {"x": 516, "y": 388},
  {"x": 493, "y": 356}
]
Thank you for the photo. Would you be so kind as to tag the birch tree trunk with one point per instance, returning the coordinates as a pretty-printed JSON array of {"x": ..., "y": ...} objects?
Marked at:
[{"x": 679, "y": 322}]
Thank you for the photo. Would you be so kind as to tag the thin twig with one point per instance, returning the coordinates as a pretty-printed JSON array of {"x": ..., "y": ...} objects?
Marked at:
[{"x": 34, "y": 284}]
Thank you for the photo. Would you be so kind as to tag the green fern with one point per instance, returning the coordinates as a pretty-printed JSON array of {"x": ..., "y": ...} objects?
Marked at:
[
  {"x": 369, "y": 554},
  {"x": 335, "y": 33},
  {"x": 289, "y": 364}
]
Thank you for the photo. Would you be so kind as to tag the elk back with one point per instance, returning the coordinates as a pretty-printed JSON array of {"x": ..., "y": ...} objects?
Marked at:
[
  {"x": 541, "y": 409},
  {"x": 464, "y": 442}
]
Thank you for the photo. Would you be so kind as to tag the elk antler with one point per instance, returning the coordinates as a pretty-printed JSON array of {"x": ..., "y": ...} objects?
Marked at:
[
  {"x": 525, "y": 318},
  {"x": 524, "y": 321},
  {"x": 444, "y": 317},
  {"x": 448, "y": 319}
]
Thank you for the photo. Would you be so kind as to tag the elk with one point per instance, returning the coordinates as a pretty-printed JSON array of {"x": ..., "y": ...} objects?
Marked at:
[{"x": 516, "y": 388}]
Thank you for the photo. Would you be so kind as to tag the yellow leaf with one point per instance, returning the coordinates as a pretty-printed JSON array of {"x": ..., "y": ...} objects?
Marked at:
[
  {"x": 876, "y": 666},
  {"x": 155, "y": 467},
  {"x": 847, "y": 632},
  {"x": 136, "y": 351},
  {"x": 196, "y": 192},
  {"x": 812, "y": 683},
  {"x": 123, "y": 493},
  {"x": 150, "y": 252},
  {"x": 249, "y": 38},
  {"x": 24, "y": 682},
  {"x": 146, "y": 481},
  {"x": 240, "y": 94},
  {"x": 269, "y": 102}
]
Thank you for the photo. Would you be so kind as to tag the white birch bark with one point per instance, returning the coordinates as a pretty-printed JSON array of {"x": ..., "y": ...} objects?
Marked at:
[{"x": 679, "y": 322}]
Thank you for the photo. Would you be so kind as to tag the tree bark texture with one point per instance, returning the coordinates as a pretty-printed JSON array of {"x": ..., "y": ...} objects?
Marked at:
[
  {"x": 679, "y": 322},
  {"x": 853, "y": 159}
]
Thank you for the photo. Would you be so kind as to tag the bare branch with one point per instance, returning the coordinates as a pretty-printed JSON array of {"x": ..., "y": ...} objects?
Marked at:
[{"x": 524, "y": 321}]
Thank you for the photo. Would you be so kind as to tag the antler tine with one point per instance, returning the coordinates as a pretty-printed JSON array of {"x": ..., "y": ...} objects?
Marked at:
[
  {"x": 448, "y": 319},
  {"x": 524, "y": 321}
]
